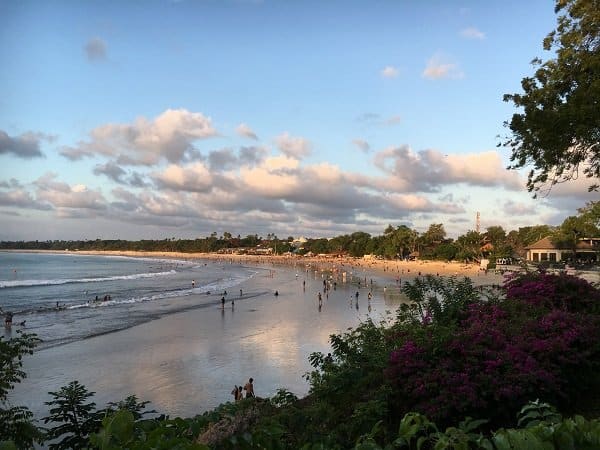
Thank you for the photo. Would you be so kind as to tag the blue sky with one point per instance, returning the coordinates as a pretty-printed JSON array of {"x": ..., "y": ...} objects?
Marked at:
[{"x": 179, "y": 118}]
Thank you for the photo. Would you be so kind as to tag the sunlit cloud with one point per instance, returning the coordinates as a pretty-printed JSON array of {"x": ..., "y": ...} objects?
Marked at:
[
  {"x": 170, "y": 136},
  {"x": 429, "y": 170},
  {"x": 440, "y": 67},
  {"x": 63, "y": 195},
  {"x": 296, "y": 147},
  {"x": 389, "y": 72},
  {"x": 245, "y": 131},
  {"x": 190, "y": 178},
  {"x": 472, "y": 33}
]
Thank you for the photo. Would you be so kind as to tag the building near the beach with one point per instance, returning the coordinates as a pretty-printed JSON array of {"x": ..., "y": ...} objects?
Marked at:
[{"x": 545, "y": 250}]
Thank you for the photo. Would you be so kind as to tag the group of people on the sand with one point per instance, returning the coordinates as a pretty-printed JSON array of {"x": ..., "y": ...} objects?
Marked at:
[{"x": 238, "y": 393}]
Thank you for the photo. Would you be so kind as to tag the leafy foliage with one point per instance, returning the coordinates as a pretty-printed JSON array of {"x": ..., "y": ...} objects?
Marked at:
[
  {"x": 560, "y": 291},
  {"x": 11, "y": 360},
  {"x": 475, "y": 357},
  {"x": 76, "y": 420},
  {"x": 16, "y": 422},
  {"x": 558, "y": 129}
]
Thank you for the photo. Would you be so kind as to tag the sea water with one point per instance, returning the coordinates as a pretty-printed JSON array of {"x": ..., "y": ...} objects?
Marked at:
[{"x": 68, "y": 297}]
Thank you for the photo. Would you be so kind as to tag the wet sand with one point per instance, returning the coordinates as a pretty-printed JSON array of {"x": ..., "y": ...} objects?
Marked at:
[{"x": 187, "y": 363}]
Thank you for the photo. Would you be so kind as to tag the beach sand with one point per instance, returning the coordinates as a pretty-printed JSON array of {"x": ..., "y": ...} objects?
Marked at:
[
  {"x": 187, "y": 363},
  {"x": 376, "y": 267}
]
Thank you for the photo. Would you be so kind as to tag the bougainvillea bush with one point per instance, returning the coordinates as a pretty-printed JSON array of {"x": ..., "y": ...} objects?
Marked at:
[
  {"x": 541, "y": 341},
  {"x": 560, "y": 291}
]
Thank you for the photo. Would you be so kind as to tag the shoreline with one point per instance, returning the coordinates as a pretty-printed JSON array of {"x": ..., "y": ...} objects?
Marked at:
[
  {"x": 385, "y": 269},
  {"x": 391, "y": 270},
  {"x": 186, "y": 362}
]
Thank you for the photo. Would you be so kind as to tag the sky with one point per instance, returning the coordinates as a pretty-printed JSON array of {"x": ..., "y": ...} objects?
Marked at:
[{"x": 177, "y": 119}]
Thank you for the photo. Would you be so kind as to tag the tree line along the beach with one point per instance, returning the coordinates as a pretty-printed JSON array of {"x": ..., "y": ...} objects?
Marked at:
[
  {"x": 459, "y": 367},
  {"x": 395, "y": 242}
]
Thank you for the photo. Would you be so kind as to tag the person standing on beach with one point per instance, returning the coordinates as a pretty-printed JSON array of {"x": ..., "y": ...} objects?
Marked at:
[
  {"x": 222, "y": 302},
  {"x": 249, "y": 388}
]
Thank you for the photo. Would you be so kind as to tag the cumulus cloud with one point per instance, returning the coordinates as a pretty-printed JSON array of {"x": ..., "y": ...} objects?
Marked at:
[
  {"x": 389, "y": 72},
  {"x": 439, "y": 67},
  {"x": 412, "y": 202},
  {"x": 428, "y": 170},
  {"x": 95, "y": 49},
  {"x": 295, "y": 147},
  {"x": 223, "y": 159},
  {"x": 191, "y": 178},
  {"x": 137, "y": 180},
  {"x": 111, "y": 170},
  {"x": 169, "y": 136},
  {"x": 26, "y": 146},
  {"x": 245, "y": 131},
  {"x": 63, "y": 195},
  {"x": 361, "y": 144},
  {"x": 12, "y": 183},
  {"x": 250, "y": 156},
  {"x": 472, "y": 33},
  {"x": 21, "y": 198}
]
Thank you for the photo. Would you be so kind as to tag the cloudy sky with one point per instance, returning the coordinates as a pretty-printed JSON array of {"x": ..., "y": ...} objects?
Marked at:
[{"x": 182, "y": 118}]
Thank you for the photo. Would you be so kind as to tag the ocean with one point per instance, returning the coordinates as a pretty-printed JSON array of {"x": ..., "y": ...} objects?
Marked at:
[{"x": 68, "y": 297}]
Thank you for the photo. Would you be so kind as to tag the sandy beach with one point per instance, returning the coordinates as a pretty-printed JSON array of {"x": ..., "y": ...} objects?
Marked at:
[
  {"x": 392, "y": 270},
  {"x": 186, "y": 363}
]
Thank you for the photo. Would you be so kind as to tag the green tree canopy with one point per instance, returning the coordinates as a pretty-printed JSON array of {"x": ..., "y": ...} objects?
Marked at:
[
  {"x": 557, "y": 130},
  {"x": 435, "y": 234}
]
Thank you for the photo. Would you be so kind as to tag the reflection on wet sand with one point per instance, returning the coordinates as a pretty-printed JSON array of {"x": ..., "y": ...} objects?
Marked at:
[{"x": 186, "y": 363}]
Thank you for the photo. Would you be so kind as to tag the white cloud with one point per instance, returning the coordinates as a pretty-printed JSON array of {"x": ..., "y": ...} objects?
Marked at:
[
  {"x": 169, "y": 136},
  {"x": 191, "y": 178},
  {"x": 389, "y": 72},
  {"x": 245, "y": 131},
  {"x": 439, "y": 67},
  {"x": 472, "y": 33},
  {"x": 429, "y": 170},
  {"x": 62, "y": 195},
  {"x": 277, "y": 177},
  {"x": 296, "y": 147}
]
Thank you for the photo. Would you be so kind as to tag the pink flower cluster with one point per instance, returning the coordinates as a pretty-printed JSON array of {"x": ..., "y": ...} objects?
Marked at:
[{"x": 502, "y": 355}]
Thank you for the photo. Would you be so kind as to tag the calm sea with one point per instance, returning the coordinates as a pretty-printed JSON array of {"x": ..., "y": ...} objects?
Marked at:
[{"x": 140, "y": 290}]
